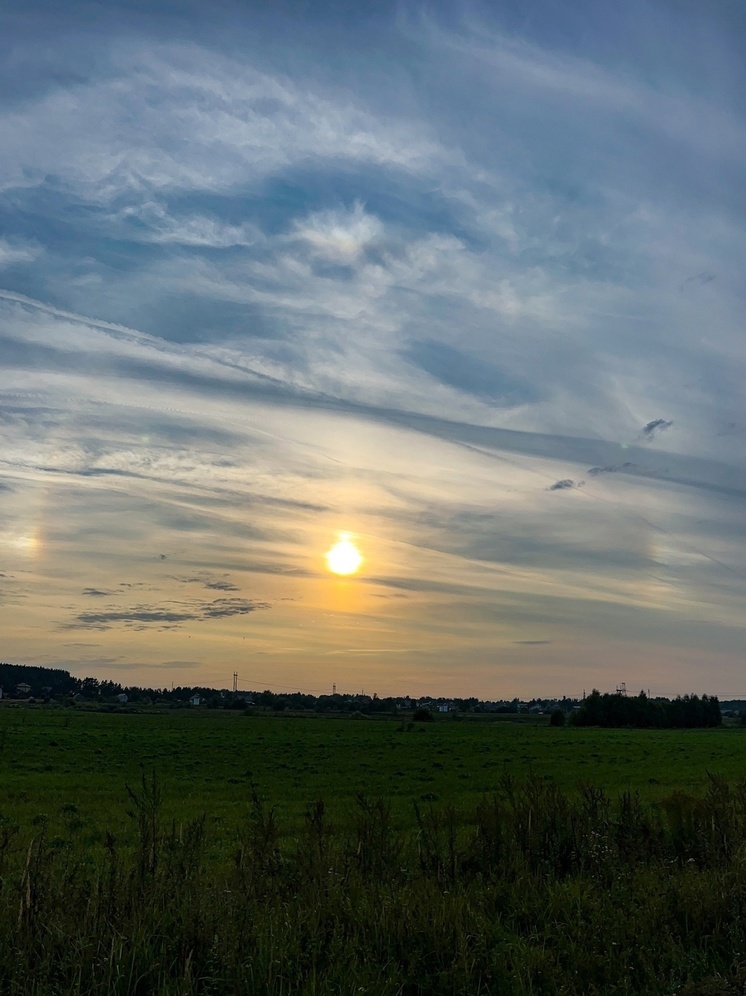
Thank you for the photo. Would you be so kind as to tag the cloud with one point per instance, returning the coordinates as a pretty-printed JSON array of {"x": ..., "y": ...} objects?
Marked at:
[
  {"x": 171, "y": 117},
  {"x": 214, "y": 584},
  {"x": 612, "y": 469},
  {"x": 698, "y": 280},
  {"x": 14, "y": 252},
  {"x": 556, "y": 78},
  {"x": 155, "y": 224},
  {"x": 135, "y": 615},
  {"x": 470, "y": 374},
  {"x": 340, "y": 236},
  {"x": 655, "y": 427},
  {"x": 142, "y": 616},
  {"x": 114, "y": 667},
  {"x": 96, "y": 593},
  {"x": 221, "y": 608},
  {"x": 564, "y": 485}
]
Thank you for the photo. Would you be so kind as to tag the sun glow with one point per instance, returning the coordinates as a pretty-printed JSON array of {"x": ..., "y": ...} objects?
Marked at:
[
  {"x": 344, "y": 557},
  {"x": 27, "y": 543}
]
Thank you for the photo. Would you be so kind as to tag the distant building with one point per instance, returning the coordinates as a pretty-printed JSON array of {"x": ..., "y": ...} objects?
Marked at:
[
  {"x": 195, "y": 700},
  {"x": 23, "y": 689},
  {"x": 121, "y": 698}
]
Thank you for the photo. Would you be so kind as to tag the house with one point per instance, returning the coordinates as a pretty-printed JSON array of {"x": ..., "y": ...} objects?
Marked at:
[
  {"x": 22, "y": 688},
  {"x": 195, "y": 700},
  {"x": 121, "y": 698}
]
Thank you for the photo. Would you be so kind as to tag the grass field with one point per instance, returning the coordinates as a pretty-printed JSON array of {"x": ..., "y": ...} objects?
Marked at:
[
  {"x": 459, "y": 857},
  {"x": 207, "y": 762}
]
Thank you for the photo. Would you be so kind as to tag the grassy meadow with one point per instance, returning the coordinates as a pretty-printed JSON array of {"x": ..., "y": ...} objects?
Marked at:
[
  {"x": 208, "y": 761},
  {"x": 193, "y": 852}
]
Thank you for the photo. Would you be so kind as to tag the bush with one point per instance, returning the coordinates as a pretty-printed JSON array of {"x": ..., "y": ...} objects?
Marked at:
[
  {"x": 557, "y": 718},
  {"x": 422, "y": 716}
]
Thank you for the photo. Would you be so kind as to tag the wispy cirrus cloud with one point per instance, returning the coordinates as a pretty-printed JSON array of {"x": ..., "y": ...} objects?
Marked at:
[
  {"x": 340, "y": 236},
  {"x": 12, "y": 252},
  {"x": 176, "y": 117}
]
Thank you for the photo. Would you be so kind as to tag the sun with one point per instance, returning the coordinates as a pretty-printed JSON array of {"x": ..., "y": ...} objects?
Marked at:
[{"x": 344, "y": 557}]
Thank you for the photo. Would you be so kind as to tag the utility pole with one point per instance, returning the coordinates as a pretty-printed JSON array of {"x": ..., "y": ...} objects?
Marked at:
[{"x": 235, "y": 682}]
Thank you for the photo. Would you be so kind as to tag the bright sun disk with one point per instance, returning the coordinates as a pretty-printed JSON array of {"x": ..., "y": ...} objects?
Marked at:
[{"x": 344, "y": 557}]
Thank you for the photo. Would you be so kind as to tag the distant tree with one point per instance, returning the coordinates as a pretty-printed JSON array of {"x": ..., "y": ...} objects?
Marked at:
[
  {"x": 90, "y": 687},
  {"x": 557, "y": 718}
]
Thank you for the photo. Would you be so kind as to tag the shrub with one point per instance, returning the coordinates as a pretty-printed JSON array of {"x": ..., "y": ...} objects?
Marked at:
[{"x": 422, "y": 716}]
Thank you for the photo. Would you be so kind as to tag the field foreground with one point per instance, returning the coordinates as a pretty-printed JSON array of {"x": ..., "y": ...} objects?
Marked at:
[{"x": 171, "y": 853}]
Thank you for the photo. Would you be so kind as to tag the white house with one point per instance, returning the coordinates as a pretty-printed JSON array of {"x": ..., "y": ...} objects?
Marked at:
[{"x": 195, "y": 700}]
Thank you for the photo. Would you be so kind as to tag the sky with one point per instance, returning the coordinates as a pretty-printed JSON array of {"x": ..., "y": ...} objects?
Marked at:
[{"x": 462, "y": 282}]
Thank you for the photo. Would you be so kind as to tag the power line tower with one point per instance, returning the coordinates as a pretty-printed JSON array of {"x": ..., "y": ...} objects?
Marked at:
[
  {"x": 621, "y": 688},
  {"x": 334, "y": 688},
  {"x": 235, "y": 682}
]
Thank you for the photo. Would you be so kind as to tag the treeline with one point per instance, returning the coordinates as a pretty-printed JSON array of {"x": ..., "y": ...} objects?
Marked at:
[
  {"x": 41, "y": 680},
  {"x": 616, "y": 710},
  {"x": 611, "y": 710},
  {"x": 54, "y": 683}
]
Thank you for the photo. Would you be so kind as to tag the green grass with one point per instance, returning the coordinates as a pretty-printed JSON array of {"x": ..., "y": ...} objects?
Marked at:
[
  {"x": 209, "y": 762},
  {"x": 186, "y": 854}
]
